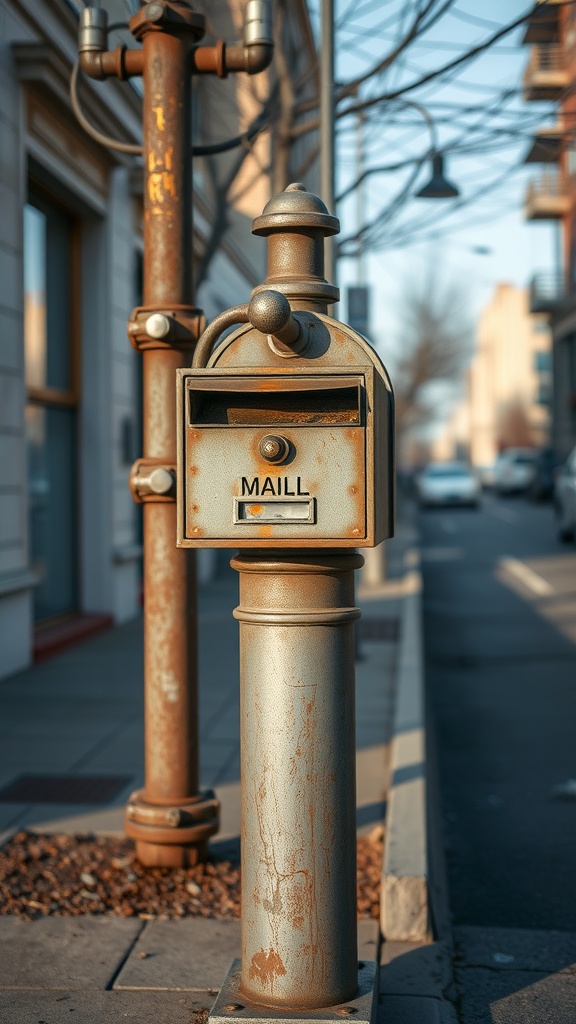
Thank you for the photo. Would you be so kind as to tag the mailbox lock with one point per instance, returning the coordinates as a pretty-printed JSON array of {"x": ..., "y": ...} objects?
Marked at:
[{"x": 274, "y": 448}]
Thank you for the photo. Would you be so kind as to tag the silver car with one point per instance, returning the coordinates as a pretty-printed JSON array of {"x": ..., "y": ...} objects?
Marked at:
[
  {"x": 447, "y": 483},
  {"x": 565, "y": 498},
  {"x": 514, "y": 470}
]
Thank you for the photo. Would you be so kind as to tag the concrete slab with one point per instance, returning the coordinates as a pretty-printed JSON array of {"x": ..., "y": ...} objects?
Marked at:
[
  {"x": 416, "y": 969},
  {"x": 191, "y": 955},
  {"x": 71, "y": 953},
  {"x": 415, "y": 1010},
  {"x": 510, "y": 997},
  {"x": 516, "y": 949},
  {"x": 368, "y": 940},
  {"x": 102, "y": 1008}
]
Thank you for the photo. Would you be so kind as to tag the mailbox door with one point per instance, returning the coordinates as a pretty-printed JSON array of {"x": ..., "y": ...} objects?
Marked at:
[{"x": 234, "y": 496}]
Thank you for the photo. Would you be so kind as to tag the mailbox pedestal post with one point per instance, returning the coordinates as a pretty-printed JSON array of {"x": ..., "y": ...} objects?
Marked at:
[{"x": 296, "y": 616}]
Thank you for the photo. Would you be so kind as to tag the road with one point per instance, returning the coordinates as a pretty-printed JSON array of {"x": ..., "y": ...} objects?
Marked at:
[{"x": 500, "y": 643}]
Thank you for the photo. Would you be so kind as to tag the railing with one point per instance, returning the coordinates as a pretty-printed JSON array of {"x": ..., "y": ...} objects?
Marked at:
[
  {"x": 548, "y": 292},
  {"x": 546, "y": 57},
  {"x": 549, "y": 184}
]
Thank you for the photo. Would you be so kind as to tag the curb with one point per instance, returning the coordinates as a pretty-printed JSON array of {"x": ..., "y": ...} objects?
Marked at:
[{"x": 405, "y": 905}]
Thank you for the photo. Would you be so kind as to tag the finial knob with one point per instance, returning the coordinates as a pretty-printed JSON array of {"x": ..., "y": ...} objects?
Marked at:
[{"x": 269, "y": 311}]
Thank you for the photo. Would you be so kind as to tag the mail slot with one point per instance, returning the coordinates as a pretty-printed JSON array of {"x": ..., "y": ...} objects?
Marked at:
[{"x": 283, "y": 459}]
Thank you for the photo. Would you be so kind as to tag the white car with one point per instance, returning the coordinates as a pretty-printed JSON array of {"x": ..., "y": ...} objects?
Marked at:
[
  {"x": 514, "y": 470},
  {"x": 565, "y": 498},
  {"x": 447, "y": 483}
]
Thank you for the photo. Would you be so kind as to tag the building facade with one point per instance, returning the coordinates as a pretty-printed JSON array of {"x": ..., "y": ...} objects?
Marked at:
[
  {"x": 71, "y": 261},
  {"x": 549, "y": 77},
  {"x": 508, "y": 386}
]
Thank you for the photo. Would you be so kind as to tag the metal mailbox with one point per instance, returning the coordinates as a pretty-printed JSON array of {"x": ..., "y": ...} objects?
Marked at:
[
  {"x": 285, "y": 429},
  {"x": 285, "y": 457}
]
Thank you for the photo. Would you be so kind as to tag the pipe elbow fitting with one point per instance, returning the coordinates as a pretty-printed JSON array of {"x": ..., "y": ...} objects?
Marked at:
[
  {"x": 258, "y": 57},
  {"x": 91, "y": 64}
]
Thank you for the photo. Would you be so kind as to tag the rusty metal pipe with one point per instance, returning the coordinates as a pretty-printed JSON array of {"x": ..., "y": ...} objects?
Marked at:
[
  {"x": 169, "y": 819},
  {"x": 119, "y": 63},
  {"x": 296, "y": 616},
  {"x": 223, "y": 58}
]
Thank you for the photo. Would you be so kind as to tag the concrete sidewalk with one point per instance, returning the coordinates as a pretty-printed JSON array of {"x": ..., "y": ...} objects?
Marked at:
[{"x": 81, "y": 714}]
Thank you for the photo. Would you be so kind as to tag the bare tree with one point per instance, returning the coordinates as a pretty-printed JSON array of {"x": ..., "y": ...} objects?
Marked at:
[
  {"x": 435, "y": 347},
  {"x": 395, "y": 81}
]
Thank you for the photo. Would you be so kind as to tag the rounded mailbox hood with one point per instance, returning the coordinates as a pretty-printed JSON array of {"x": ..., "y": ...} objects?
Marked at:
[{"x": 295, "y": 208}]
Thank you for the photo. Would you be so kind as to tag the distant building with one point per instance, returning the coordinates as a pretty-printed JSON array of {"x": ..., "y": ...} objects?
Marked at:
[
  {"x": 71, "y": 269},
  {"x": 550, "y": 76},
  {"x": 508, "y": 387}
]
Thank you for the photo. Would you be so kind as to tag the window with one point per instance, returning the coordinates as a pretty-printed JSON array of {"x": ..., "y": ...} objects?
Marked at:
[
  {"x": 542, "y": 362},
  {"x": 51, "y": 366}
]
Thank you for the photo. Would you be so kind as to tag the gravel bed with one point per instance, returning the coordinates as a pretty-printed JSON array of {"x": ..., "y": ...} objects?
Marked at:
[{"x": 64, "y": 876}]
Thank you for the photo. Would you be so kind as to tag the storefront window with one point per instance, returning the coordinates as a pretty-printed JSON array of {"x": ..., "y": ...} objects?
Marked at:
[{"x": 50, "y": 347}]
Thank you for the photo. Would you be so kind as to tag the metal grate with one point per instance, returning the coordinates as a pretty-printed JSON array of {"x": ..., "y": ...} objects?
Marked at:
[
  {"x": 63, "y": 789},
  {"x": 379, "y": 629}
]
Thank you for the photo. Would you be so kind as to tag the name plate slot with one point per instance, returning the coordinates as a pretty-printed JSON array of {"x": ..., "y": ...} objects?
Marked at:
[{"x": 270, "y": 511}]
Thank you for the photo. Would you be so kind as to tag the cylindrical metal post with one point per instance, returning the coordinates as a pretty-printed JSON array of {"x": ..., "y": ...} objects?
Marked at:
[
  {"x": 296, "y": 612},
  {"x": 327, "y": 148},
  {"x": 170, "y": 820}
]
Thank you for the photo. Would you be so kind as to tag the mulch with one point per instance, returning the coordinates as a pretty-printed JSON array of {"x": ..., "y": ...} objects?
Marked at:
[{"x": 65, "y": 876}]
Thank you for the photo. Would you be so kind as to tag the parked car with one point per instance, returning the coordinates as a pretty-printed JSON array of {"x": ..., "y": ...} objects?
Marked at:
[
  {"x": 545, "y": 470},
  {"x": 565, "y": 498},
  {"x": 485, "y": 475},
  {"x": 514, "y": 470},
  {"x": 447, "y": 483}
]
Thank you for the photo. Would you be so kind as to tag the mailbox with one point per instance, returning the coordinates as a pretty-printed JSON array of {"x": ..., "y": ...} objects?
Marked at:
[{"x": 285, "y": 438}]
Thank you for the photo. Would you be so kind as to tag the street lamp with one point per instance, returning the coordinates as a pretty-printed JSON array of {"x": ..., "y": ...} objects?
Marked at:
[{"x": 438, "y": 187}]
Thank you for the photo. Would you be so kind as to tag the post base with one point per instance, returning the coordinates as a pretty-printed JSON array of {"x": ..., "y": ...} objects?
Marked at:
[
  {"x": 231, "y": 1005},
  {"x": 175, "y": 836}
]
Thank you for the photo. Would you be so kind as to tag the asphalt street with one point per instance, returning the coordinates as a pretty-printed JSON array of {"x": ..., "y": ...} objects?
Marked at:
[{"x": 500, "y": 645}]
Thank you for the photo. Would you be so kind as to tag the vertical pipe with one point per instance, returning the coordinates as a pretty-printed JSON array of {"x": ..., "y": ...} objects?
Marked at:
[
  {"x": 296, "y": 613},
  {"x": 327, "y": 127},
  {"x": 171, "y": 760},
  {"x": 170, "y": 797}
]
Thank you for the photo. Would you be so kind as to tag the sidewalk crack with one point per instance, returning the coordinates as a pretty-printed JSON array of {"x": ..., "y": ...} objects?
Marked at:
[{"x": 115, "y": 975}]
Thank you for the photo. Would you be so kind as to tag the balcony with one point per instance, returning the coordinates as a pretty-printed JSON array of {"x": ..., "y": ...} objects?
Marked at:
[
  {"x": 547, "y": 198},
  {"x": 543, "y": 23},
  {"x": 548, "y": 294},
  {"x": 546, "y": 76},
  {"x": 546, "y": 145}
]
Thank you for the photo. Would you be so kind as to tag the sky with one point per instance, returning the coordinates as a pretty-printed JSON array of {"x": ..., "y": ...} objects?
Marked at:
[{"x": 479, "y": 244}]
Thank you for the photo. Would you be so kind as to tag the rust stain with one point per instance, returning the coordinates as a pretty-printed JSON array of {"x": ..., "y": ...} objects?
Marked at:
[
  {"x": 160, "y": 119},
  {"x": 155, "y": 190},
  {"x": 161, "y": 184},
  {"x": 353, "y": 489},
  {"x": 266, "y": 967},
  {"x": 255, "y": 510},
  {"x": 193, "y": 470},
  {"x": 169, "y": 183},
  {"x": 168, "y": 158}
]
